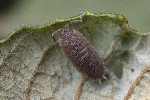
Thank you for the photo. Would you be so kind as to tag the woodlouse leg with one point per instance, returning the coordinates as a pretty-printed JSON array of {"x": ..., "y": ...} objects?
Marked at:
[{"x": 58, "y": 31}]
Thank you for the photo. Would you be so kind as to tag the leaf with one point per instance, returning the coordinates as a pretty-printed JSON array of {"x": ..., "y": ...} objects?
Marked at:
[{"x": 33, "y": 67}]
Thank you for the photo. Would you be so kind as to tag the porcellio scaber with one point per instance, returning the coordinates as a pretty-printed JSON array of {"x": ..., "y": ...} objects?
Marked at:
[{"x": 80, "y": 52}]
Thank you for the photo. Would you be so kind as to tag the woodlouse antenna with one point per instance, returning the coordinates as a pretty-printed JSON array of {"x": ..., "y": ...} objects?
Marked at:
[
  {"x": 67, "y": 26},
  {"x": 77, "y": 21},
  {"x": 58, "y": 31}
]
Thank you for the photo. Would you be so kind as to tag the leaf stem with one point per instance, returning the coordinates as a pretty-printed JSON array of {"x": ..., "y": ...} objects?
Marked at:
[{"x": 79, "y": 88}]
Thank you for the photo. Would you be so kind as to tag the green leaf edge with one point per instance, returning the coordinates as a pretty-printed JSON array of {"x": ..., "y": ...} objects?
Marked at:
[{"x": 53, "y": 24}]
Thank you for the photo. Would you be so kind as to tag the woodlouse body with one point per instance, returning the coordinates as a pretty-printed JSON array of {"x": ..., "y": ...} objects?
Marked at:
[{"x": 81, "y": 54}]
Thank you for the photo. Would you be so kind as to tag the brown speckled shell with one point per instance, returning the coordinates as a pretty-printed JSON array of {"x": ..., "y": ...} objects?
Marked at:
[{"x": 82, "y": 54}]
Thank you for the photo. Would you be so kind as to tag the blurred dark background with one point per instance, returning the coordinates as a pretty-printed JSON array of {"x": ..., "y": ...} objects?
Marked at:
[{"x": 14, "y": 13}]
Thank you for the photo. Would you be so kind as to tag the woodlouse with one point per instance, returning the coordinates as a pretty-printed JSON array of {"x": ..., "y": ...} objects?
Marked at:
[{"x": 81, "y": 52}]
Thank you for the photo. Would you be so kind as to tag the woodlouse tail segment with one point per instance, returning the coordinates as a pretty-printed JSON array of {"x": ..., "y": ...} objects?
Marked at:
[
  {"x": 104, "y": 77},
  {"x": 99, "y": 81},
  {"x": 58, "y": 31}
]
